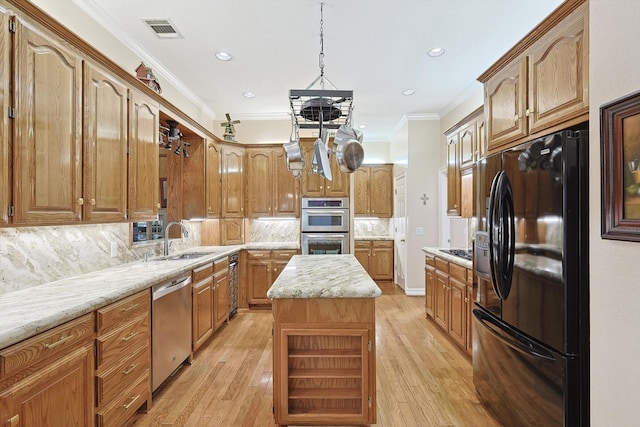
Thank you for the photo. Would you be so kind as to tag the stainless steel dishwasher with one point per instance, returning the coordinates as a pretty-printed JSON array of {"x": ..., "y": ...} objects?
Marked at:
[{"x": 170, "y": 327}]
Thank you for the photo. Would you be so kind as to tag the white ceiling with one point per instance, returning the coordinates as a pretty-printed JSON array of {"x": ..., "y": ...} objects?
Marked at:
[{"x": 377, "y": 48}]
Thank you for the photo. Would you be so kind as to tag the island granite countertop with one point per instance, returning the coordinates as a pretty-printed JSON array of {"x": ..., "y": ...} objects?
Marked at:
[{"x": 324, "y": 276}]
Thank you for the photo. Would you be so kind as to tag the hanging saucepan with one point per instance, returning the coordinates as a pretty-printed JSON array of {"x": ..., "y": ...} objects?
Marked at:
[
  {"x": 295, "y": 160},
  {"x": 348, "y": 149}
]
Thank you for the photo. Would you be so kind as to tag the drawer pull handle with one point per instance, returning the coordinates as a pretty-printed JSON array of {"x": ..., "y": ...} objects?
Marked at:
[
  {"x": 131, "y": 335},
  {"x": 57, "y": 343},
  {"x": 131, "y": 307},
  {"x": 130, "y": 369},
  {"x": 133, "y": 399}
]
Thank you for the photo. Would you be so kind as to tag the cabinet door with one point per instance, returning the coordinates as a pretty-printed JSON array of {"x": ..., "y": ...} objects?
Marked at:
[
  {"x": 481, "y": 135},
  {"x": 339, "y": 185},
  {"x": 260, "y": 191},
  {"x": 60, "y": 394},
  {"x": 381, "y": 191},
  {"x": 457, "y": 311},
  {"x": 232, "y": 182},
  {"x": 382, "y": 260},
  {"x": 467, "y": 201},
  {"x": 212, "y": 186},
  {"x": 286, "y": 188},
  {"x": 202, "y": 315},
  {"x": 453, "y": 176},
  {"x": 5, "y": 96},
  {"x": 559, "y": 73},
  {"x": 441, "y": 298},
  {"x": 144, "y": 194},
  {"x": 362, "y": 252},
  {"x": 505, "y": 101},
  {"x": 221, "y": 298},
  {"x": 105, "y": 147},
  {"x": 258, "y": 280},
  {"x": 312, "y": 183},
  {"x": 47, "y": 145},
  {"x": 193, "y": 179},
  {"x": 429, "y": 290},
  {"x": 469, "y": 315},
  {"x": 361, "y": 191},
  {"x": 231, "y": 231}
]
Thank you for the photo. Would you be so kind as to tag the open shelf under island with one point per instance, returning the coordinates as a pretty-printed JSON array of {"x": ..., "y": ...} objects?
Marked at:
[{"x": 324, "y": 358}]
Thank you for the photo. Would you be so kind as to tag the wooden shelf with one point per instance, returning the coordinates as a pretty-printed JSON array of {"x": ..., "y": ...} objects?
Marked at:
[
  {"x": 324, "y": 353},
  {"x": 325, "y": 373},
  {"x": 325, "y": 393}
]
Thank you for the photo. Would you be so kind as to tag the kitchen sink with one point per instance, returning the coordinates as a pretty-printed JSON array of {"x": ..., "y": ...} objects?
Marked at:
[{"x": 183, "y": 256}]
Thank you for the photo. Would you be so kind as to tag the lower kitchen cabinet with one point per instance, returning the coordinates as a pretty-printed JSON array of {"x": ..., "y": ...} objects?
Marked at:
[
  {"x": 262, "y": 268},
  {"x": 202, "y": 305},
  {"x": 449, "y": 298},
  {"x": 123, "y": 359},
  {"x": 220, "y": 292},
  {"x": 376, "y": 256},
  {"x": 48, "y": 379}
]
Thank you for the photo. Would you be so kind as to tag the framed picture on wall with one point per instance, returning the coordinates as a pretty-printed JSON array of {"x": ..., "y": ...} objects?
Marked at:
[{"x": 620, "y": 149}]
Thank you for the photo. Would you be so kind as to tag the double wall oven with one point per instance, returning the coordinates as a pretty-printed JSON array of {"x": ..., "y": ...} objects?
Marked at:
[{"x": 325, "y": 226}]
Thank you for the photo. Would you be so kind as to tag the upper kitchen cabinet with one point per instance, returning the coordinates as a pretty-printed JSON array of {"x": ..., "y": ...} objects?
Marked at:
[
  {"x": 314, "y": 185},
  {"x": 105, "y": 146},
  {"x": 232, "y": 171},
  {"x": 373, "y": 191},
  {"x": 5, "y": 73},
  {"x": 542, "y": 84},
  {"x": 47, "y": 140},
  {"x": 144, "y": 178},
  {"x": 212, "y": 173},
  {"x": 272, "y": 189},
  {"x": 453, "y": 175}
]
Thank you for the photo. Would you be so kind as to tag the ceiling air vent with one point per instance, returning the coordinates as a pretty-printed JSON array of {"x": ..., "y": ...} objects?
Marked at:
[{"x": 162, "y": 28}]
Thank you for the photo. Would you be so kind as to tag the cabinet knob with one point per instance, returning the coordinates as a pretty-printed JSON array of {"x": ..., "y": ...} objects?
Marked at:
[
  {"x": 158, "y": 205},
  {"x": 328, "y": 187},
  {"x": 528, "y": 112},
  {"x": 210, "y": 208},
  {"x": 321, "y": 187},
  {"x": 516, "y": 118},
  {"x": 80, "y": 201},
  {"x": 92, "y": 202}
]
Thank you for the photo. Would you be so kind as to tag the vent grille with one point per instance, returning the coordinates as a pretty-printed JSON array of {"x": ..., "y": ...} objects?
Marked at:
[{"x": 163, "y": 28}]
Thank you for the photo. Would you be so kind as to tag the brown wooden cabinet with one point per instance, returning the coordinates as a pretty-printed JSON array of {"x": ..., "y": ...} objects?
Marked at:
[
  {"x": 449, "y": 298},
  {"x": 543, "y": 82},
  {"x": 220, "y": 292},
  {"x": 202, "y": 305},
  {"x": 48, "y": 379},
  {"x": 373, "y": 191},
  {"x": 47, "y": 140},
  {"x": 376, "y": 256},
  {"x": 212, "y": 181},
  {"x": 144, "y": 196},
  {"x": 104, "y": 161},
  {"x": 467, "y": 199},
  {"x": 123, "y": 359},
  {"x": 324, "y": 361},
  {"x": 5, "y": 97},
  {"x": 314, "y": 185},
  {"x": 199, "y": 177},
  {"x": 272, "y": 189},
  {"x": 231, "y": 231},
  {"x": 262, "y": 269},
  {"x": 232, "y": 178}
]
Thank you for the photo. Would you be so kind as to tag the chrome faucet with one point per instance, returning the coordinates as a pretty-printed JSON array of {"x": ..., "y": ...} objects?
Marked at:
[{"x": 185, "y": 233}]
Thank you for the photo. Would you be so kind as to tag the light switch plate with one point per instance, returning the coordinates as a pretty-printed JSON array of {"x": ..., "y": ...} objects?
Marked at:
[
  {"x": 114, "y": 249},
  {"x": 419, "y": 231}
]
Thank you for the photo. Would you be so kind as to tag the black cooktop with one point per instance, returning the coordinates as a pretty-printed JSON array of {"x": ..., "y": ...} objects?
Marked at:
[{"x": 462, "y": 253}]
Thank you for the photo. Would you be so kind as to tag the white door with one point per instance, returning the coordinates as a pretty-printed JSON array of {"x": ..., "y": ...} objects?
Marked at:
[{"x": 400, "y": 229}]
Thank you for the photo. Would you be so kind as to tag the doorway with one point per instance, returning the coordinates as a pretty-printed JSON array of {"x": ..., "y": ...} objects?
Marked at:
[{"x": 400, "y": 229}]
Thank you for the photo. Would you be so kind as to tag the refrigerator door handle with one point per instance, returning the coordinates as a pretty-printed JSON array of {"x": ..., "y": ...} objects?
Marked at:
[
  {"x": 512, "y": 337},
  {"x": 494, "y": 267}
]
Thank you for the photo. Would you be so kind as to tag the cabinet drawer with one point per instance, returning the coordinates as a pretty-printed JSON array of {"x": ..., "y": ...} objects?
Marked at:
[
  {"x": 127, "y": 404},
  {"x": 458, "y": 271},
  {"x": 221, "y": 265},
  {"x": 382, "y": 243},
  {"x": 123, "y": 341},
  {"x": 362, "y": 244},
  {"x": 442, "y": 265},
  {"x": 429, "y": 260},
  {"x": 283, "y": 255},
  {"x": 117, "y": 314},
  {"x": 111, "y": 383},
  {"x": 54, "y": 341},
  {"x": 201, "y": 273},
  {"x": 258, "y": 254}
]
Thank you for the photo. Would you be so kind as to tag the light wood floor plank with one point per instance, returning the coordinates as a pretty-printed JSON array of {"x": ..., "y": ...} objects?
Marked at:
[{"x": 423, "y": 379}]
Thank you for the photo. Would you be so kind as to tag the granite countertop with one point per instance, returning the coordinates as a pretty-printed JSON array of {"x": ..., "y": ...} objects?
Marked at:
[
  {"x": 452, "y": 258},
  {"x": 29, "y": 311},
  {"x": 356, "y": 238},
  {"x": 324, "y": 276}
]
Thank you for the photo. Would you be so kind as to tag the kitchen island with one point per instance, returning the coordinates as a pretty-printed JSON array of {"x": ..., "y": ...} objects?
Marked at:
[{"x": 324, "y": 364}]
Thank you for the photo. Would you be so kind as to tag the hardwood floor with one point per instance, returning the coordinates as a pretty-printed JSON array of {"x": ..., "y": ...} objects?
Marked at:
[{"x": 423, "y": 379}]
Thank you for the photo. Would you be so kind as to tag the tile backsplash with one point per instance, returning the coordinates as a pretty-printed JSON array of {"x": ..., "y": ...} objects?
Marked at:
[
  {"x": 273, "y": 230},
  {"x": 30, "y": 256},
  {"x": 371, "y": 227}
]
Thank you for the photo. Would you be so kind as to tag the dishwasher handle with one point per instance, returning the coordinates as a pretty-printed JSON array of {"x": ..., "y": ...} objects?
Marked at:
[{"x": 170, "y": 287}]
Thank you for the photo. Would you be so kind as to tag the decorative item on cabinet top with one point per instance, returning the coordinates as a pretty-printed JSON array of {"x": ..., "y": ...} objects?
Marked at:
[
  {"x": 229, "y": 128},
  {"x": 325, "y": 109},
  {"x": 145, "y": 75}
]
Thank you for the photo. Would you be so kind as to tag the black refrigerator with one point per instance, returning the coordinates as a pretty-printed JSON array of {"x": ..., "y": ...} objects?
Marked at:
[{"x": 531, "y": 312}]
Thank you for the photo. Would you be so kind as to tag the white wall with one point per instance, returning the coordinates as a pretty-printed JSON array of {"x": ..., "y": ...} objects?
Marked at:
[{"x": 614, "y": 67}]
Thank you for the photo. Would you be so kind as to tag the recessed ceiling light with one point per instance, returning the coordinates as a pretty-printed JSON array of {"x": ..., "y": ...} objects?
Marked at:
[
  {"x": 223, "y": 56},
  {"x": 248, "y": 94},
  {"x": 362, "y": 126},
  {"x": 408, "y": 92},
  {"x": 435, "y": 52}
]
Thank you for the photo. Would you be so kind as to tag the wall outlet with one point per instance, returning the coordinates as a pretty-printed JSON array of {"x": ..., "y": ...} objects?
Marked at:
[
  {"x": 114, "y": 249},
  {"x": 369, "y": 227},
  {"x": 419, "y": 231}
]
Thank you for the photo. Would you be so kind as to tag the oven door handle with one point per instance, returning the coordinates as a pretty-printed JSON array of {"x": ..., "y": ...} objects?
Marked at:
[
  {"x": 323, "y": 212},
  {"x": 325, "y": 235}
]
